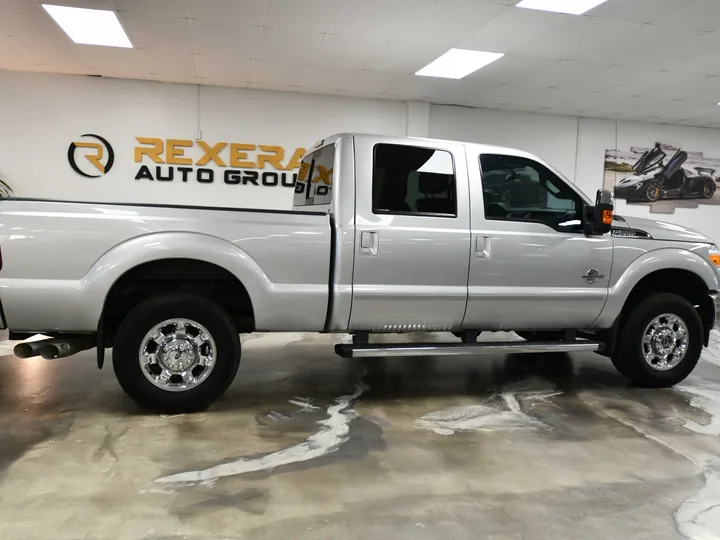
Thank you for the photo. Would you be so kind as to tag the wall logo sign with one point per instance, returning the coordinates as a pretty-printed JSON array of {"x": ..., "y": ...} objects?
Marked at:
[
  {"x": 185, "y": 160},
  {"x": 101, "y": 156}
]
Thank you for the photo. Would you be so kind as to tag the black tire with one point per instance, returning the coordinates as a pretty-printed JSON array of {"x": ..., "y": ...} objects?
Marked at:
[
  {"x": 541, "y": 335},
  {"x": 461, "y": 335},
  {"x": 629, "y": 358},
  {"x": 709, "y": 188},
  {"x": 653, "y": 191},
  {"x": 152, "y": 312}
]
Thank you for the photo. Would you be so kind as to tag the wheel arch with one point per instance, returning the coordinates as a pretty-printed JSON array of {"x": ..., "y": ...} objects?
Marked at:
[
  {"x": 672, "y": 270},
  {"x": 197, "y": 255},
  {"x": 162, "y": 276}
]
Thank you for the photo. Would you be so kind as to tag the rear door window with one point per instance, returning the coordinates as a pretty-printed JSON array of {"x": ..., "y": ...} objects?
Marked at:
[
  {"x": 315, "y": 178},
  {"x": 415, "y": 181}
]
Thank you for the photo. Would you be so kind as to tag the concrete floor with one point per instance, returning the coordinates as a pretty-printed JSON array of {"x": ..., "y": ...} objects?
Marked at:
[{"x": 308, "y": 446}]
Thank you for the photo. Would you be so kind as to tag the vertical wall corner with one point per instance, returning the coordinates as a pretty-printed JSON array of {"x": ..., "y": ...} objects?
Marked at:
[{"x": 417, "y": 122}]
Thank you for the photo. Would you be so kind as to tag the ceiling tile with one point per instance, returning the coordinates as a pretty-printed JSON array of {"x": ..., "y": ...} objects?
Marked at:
[
  {"x": 378, "y": 18},
  {"x": 25, "y": 18},
  {"x": 583, "y": 37},
  {"x": 308, "y": 15},
  {"x": 211, "y": 38},
  {"x": 240, "y": 12},
  {"x": 157, "y": 32},
  {"x": 703, "y": 15},
  {"x": 280, "y": 45},
  {"x": 512, "y": 28},
  {"x": 153, "y": 8},
  {"x": 12, "y": 56},
  {"x": 161, "y": 62},
  {"x": 350, "y": 80},
  {"x": 404, "y": 56},
  {"x": 610, "y": 63},
  {"x": 446, "y": 22},
  {"x": 224, "y": 67},
  {"x": 284, "y": 74},
  {"x": 641, "y": 11},
  {"x": 342, "y": 51},
  {"x": 88, "y": 4}
]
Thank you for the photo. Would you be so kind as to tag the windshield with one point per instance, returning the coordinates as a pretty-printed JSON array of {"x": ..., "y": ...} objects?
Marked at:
[{"x": 315, "y": 178}]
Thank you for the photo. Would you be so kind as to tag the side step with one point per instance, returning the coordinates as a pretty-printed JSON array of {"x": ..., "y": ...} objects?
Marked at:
[{"x": 373, "y": 350}]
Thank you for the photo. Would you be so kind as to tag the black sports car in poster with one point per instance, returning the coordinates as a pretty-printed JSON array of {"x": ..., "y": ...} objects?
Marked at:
[{"x": 654, "y": 179}]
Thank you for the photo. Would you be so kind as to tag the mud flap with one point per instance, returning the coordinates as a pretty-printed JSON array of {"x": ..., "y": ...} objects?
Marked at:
[{"x": 100, "y": 341}]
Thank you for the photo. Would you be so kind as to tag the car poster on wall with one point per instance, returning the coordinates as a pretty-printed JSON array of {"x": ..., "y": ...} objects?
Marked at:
[
  {"x": 5, "y": 189},
  {"x": 664, "y": 176}
]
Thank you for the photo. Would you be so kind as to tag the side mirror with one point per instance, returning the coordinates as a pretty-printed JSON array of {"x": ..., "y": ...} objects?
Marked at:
[{"x": 598, "y": 218}]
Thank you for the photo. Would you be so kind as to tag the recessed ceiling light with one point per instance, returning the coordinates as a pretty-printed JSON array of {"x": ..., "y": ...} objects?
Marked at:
[
  {"x": 90, "y": 26},
  {"x": 458, "y": 63},
  {"x": 572, "y": 7}
]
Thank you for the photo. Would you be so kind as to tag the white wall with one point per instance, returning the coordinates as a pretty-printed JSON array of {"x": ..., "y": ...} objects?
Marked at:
[
  {"x": 40, "y": 115},
  {"x": 553, "y": 138},
  {"x": 576, "y": 147}
]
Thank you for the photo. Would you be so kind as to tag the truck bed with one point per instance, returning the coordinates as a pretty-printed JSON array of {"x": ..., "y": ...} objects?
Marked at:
[{"x": 60, "y": 258}]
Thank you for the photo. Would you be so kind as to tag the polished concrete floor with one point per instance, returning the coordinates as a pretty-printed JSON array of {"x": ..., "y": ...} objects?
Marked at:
[{"x": 308, "y": 446}]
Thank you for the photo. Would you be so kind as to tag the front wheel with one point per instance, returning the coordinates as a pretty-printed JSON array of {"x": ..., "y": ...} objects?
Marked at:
[
  {"x": 176, "y": 353},
  {"x": 660, "y": 341},
  {"x": 653, "y": 191}
]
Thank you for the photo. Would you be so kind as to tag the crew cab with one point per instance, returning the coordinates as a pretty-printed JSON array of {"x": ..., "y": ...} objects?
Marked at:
[{"x": 387, "y": 235}]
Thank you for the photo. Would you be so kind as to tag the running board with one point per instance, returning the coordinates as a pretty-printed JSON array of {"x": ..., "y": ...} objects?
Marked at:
[{"x": 372, "y": 350}]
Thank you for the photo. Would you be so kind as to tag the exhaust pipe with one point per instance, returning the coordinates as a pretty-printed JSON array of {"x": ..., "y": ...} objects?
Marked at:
[
  {"x": 54, "y": 347},
  {"x": 60, "y": 348},
  {"x": 30, "y": 348}
]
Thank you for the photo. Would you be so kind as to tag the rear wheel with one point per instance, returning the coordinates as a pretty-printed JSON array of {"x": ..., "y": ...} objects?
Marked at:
[
  {"x": 660, "y": 341},
  {"x": 709, "y": 188},
  {"x": 176, "y": 353}
]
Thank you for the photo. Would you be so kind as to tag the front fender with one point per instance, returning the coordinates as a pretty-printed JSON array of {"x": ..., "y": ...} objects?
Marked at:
[
  {"x": 168, "y": 245},
  {"x": 646, "y": 264}
]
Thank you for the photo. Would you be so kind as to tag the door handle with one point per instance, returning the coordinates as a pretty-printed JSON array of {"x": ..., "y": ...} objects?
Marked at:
[
  {"x": 483, "y": 247},
  {"x": 369, "y": 241}
]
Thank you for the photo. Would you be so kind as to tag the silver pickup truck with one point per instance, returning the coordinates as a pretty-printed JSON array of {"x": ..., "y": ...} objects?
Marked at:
[{"x": 387, "y": 235}]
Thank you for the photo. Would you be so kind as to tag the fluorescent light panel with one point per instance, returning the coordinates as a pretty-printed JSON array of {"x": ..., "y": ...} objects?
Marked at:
[
  {"x": 458, "y": 63},
  {"x": 572, "y": 7},
  {"x": 90, "y": 26}
]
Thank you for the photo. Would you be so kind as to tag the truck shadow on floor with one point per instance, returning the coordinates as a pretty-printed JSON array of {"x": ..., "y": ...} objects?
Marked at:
[{"x": 388, "y": 379}]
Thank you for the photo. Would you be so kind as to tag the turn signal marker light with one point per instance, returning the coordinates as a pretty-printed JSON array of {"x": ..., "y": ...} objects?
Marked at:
[
  {"x": 714, "y": 255},
  {"x": 607, "y": 216}
]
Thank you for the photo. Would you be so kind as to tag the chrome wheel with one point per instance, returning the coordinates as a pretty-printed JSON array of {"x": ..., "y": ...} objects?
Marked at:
[
  {"x": 177, "y": 355},
  {"x": 665, "y": 342}
]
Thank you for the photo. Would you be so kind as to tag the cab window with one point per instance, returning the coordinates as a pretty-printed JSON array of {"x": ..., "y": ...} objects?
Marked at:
[
  {"x": 315, "y": 178},
  {"x": 521, "y": 189},
  {"x": 415, "y": 181}
]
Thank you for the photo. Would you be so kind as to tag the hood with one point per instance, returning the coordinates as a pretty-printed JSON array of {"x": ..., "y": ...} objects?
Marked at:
[
  {"x": 661, "y": 230},
  {"x": 635, "y": 179}
]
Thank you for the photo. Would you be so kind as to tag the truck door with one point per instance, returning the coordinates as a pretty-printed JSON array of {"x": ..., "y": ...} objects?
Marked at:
[
  {"x": 412, "y": 244},
  {"x": 532, "y": 266}
]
